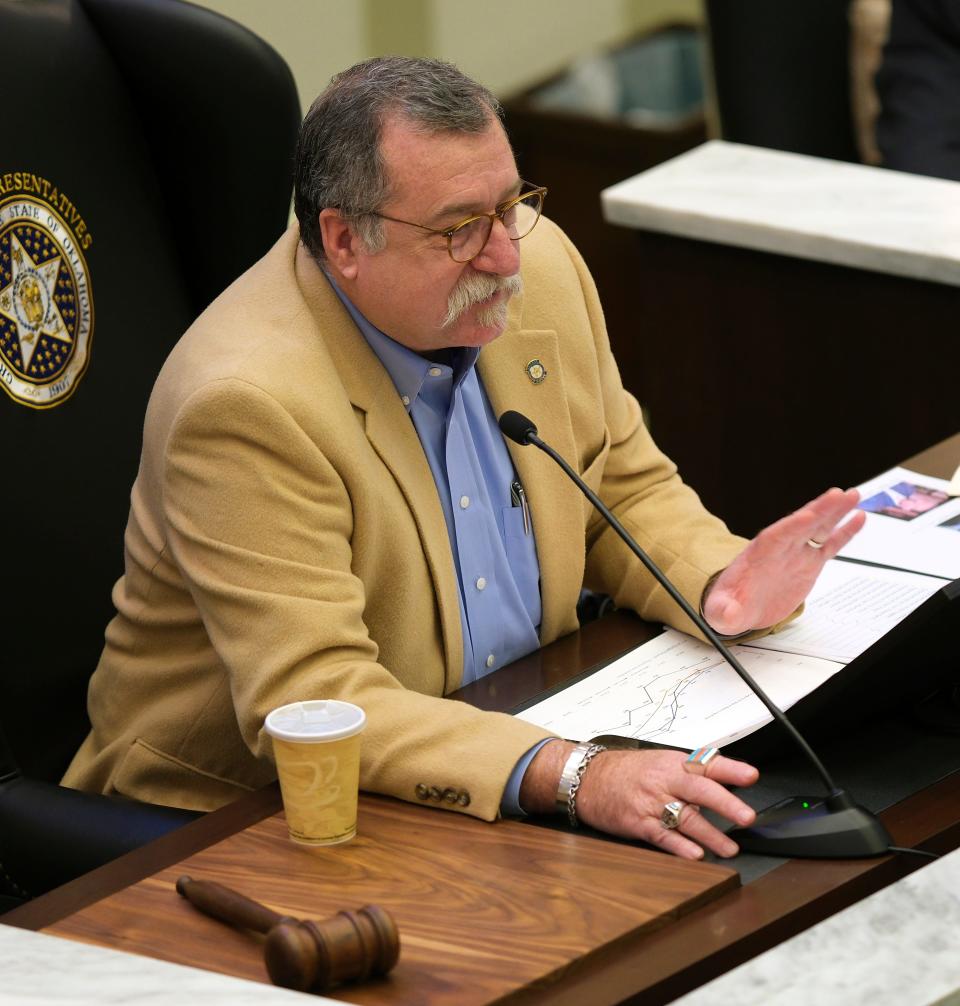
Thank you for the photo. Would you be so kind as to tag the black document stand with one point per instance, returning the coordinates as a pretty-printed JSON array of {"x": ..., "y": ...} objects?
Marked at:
[{"x": 915, "y": 659}]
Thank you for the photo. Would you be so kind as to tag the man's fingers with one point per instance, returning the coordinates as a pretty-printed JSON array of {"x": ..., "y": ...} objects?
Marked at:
[
  {"x": 696, "y": 827},
  {"x": 709, "y": 793},
  {"x": 694, "y": 834},
  {"x": 834, "y": 503},
  {"x": 673, "y": 842},
  {"x": 843, "y": 534},
  {"x": 730, "y": 772},
  {"x": 826, "y": 511}
]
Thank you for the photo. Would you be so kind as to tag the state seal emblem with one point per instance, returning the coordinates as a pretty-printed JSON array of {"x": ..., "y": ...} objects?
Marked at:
[
  {"x": 46, "y": 304},
  {"x": 536, "y": 371}
]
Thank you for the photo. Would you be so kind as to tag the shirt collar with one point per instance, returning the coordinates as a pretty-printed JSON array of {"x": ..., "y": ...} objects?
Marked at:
[{"x": 408, "y": 370}]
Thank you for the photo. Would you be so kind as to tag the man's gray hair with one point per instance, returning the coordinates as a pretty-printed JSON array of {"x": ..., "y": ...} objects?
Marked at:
[{"x": 338, "y": 160}]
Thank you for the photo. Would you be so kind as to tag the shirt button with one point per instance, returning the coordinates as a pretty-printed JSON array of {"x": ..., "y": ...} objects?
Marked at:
[
  {"x": 464, "y": 502},
  {"x": 481, "y": 583},
  {"x": 434, "y": 371},
  {"x": 490, "y": 660},
  {"x": 405, "y": 399}
]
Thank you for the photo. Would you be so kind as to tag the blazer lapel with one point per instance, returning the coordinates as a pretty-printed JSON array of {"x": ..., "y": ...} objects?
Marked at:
[
  {"x": 521, "y": 370},
  {"x": 393, "y": 436}
]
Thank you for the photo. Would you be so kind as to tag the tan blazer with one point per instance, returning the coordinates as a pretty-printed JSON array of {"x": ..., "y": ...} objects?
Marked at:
[{"x": 286, "y": 540}]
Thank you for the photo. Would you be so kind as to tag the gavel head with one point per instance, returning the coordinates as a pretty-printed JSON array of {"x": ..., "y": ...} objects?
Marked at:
[{"x": 350, "y": 946}]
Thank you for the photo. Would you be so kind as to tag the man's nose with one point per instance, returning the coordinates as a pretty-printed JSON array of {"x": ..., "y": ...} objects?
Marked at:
[{"x": 500, "y": 254}]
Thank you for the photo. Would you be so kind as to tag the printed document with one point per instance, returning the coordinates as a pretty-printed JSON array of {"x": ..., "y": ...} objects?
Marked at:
[
  {"x": 677, "y": 690},
  {"x": 850, "y": 607}
]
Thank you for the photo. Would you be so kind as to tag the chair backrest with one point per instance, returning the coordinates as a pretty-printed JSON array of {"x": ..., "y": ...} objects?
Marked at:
[
  {"x": 782, "y": 75},
  {"x": 146, "y": 162}
]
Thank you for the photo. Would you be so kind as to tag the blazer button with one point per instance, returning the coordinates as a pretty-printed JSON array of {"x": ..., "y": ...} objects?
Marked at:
[
  {"x": 435, "y": 794},
  {"x": 463, "y": 798},
  {"x": 422, "y": 791},
  {"x": 450, "y": 795}
]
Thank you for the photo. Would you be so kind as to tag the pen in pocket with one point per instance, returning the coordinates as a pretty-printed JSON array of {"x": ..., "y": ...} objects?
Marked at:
[{"x": 519, "y": 498}]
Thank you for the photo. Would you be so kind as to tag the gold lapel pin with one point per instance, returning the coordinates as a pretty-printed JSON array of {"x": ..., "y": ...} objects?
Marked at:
[{"x": 536, "y": 371}]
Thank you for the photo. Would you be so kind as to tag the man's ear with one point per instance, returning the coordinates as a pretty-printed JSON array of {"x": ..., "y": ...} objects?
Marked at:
[{"x": 340, "y": 243}]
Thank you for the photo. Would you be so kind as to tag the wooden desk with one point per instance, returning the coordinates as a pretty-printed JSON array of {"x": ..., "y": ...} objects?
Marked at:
[
  {"x": 489, "y": 912},
  {"x": 484, "y": 911}
]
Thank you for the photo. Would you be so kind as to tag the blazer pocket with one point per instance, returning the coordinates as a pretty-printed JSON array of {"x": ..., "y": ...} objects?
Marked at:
[{"x": 149, "y": 774}]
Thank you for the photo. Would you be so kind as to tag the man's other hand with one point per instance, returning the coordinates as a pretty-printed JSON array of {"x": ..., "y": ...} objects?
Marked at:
[
  {"x": 770, "y": 578},
  {"x": 624, "y": 793}
]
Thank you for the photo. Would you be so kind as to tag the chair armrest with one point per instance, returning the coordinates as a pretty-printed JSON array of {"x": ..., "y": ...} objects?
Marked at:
[{"x": 50, "y": 834}]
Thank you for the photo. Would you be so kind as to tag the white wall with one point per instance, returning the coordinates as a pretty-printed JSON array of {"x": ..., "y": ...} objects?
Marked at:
[
  {"x": 505, "y": 44},
  {"x": 316, "y": 37},
  {"x": 517, "y": 43}
]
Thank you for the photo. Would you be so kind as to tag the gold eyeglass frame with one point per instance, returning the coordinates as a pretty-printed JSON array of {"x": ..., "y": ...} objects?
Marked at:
[{"x": 497, "y": 214}]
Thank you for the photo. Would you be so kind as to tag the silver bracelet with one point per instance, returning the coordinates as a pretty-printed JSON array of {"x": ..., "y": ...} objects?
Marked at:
[{"x": 571, "y": 777}]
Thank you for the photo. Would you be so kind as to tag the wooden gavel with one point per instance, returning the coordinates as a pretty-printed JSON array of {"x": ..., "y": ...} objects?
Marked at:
[{"x": 301, "y": 954}]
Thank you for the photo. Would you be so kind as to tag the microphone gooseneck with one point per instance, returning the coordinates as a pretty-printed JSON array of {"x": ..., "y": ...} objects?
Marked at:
[{"x": 799, "y": 826}]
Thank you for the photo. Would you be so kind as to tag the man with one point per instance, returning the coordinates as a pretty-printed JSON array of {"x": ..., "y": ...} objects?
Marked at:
[
  {"x": 919, "y": 125},
  {"x": 325, "y": 507}
]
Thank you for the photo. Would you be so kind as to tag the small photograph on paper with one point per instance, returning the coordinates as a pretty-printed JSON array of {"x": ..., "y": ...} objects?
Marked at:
[
  {"x": 904, "y": 500},
  {"x": 953, "y": 524},
  {"x": 917, "y": 543}
]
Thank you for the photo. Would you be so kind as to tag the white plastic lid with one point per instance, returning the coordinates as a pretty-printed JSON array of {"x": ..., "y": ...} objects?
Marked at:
[{"x": 317, "y": 720}]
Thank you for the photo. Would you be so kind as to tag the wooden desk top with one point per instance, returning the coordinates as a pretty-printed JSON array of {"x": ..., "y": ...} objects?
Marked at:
[{"x": 484, "y": 911}]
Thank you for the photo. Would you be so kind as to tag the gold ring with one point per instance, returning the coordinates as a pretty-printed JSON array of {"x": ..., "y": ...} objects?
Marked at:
[{"x": 813, "y": 543}]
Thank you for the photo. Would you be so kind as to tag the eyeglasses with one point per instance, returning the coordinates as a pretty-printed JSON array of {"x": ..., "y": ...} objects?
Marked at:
[{"x": 468, "y": 238}]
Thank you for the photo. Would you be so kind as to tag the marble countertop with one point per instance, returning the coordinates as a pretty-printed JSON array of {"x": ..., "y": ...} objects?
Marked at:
[
  {"x": 38, "y": 968},
  {"x": 806, "y": 207},
  {"x": 898, "y": 947}
]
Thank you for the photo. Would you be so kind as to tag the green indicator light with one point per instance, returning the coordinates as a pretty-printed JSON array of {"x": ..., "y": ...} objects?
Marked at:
[{"x": 806, "y": 806}]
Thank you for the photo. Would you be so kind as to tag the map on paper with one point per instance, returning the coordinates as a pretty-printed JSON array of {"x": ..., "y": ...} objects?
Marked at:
[{"x": 677, "y": 690}]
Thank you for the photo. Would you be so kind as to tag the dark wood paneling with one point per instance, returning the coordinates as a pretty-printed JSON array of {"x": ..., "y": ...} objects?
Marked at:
[
  {"x": 769, "y": 379},
  {"x": 577, "y": 157}
]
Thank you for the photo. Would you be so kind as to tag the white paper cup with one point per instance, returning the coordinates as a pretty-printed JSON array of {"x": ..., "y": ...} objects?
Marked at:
[{"x": 317, "y": 749}]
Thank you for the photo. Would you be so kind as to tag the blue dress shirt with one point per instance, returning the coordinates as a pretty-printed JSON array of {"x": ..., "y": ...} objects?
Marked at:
[{"x": 494, "y": 551}]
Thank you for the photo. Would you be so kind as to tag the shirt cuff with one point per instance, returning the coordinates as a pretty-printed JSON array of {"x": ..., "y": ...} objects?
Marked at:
[{"x": 510, "y": 801}]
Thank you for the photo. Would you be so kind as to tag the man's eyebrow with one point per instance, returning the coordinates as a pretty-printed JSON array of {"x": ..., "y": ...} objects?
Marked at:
[{"x": 456, "y": 212}]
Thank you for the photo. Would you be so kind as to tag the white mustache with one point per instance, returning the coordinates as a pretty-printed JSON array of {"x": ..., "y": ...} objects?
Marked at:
[{"x": 475, "y": 287}]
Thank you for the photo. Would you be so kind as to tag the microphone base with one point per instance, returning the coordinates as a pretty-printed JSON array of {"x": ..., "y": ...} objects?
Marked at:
[{"x": 815, "y": 827}]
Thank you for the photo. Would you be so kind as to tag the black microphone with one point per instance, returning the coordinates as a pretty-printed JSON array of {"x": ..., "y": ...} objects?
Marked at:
[{"x": 832, "y": 827}]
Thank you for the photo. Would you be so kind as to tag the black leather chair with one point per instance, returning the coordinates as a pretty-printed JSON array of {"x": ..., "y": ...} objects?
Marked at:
[{"x": 145, "y": 163}]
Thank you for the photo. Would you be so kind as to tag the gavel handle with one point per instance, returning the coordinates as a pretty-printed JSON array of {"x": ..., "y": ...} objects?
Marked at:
[{"x": 228, "y": 906}]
